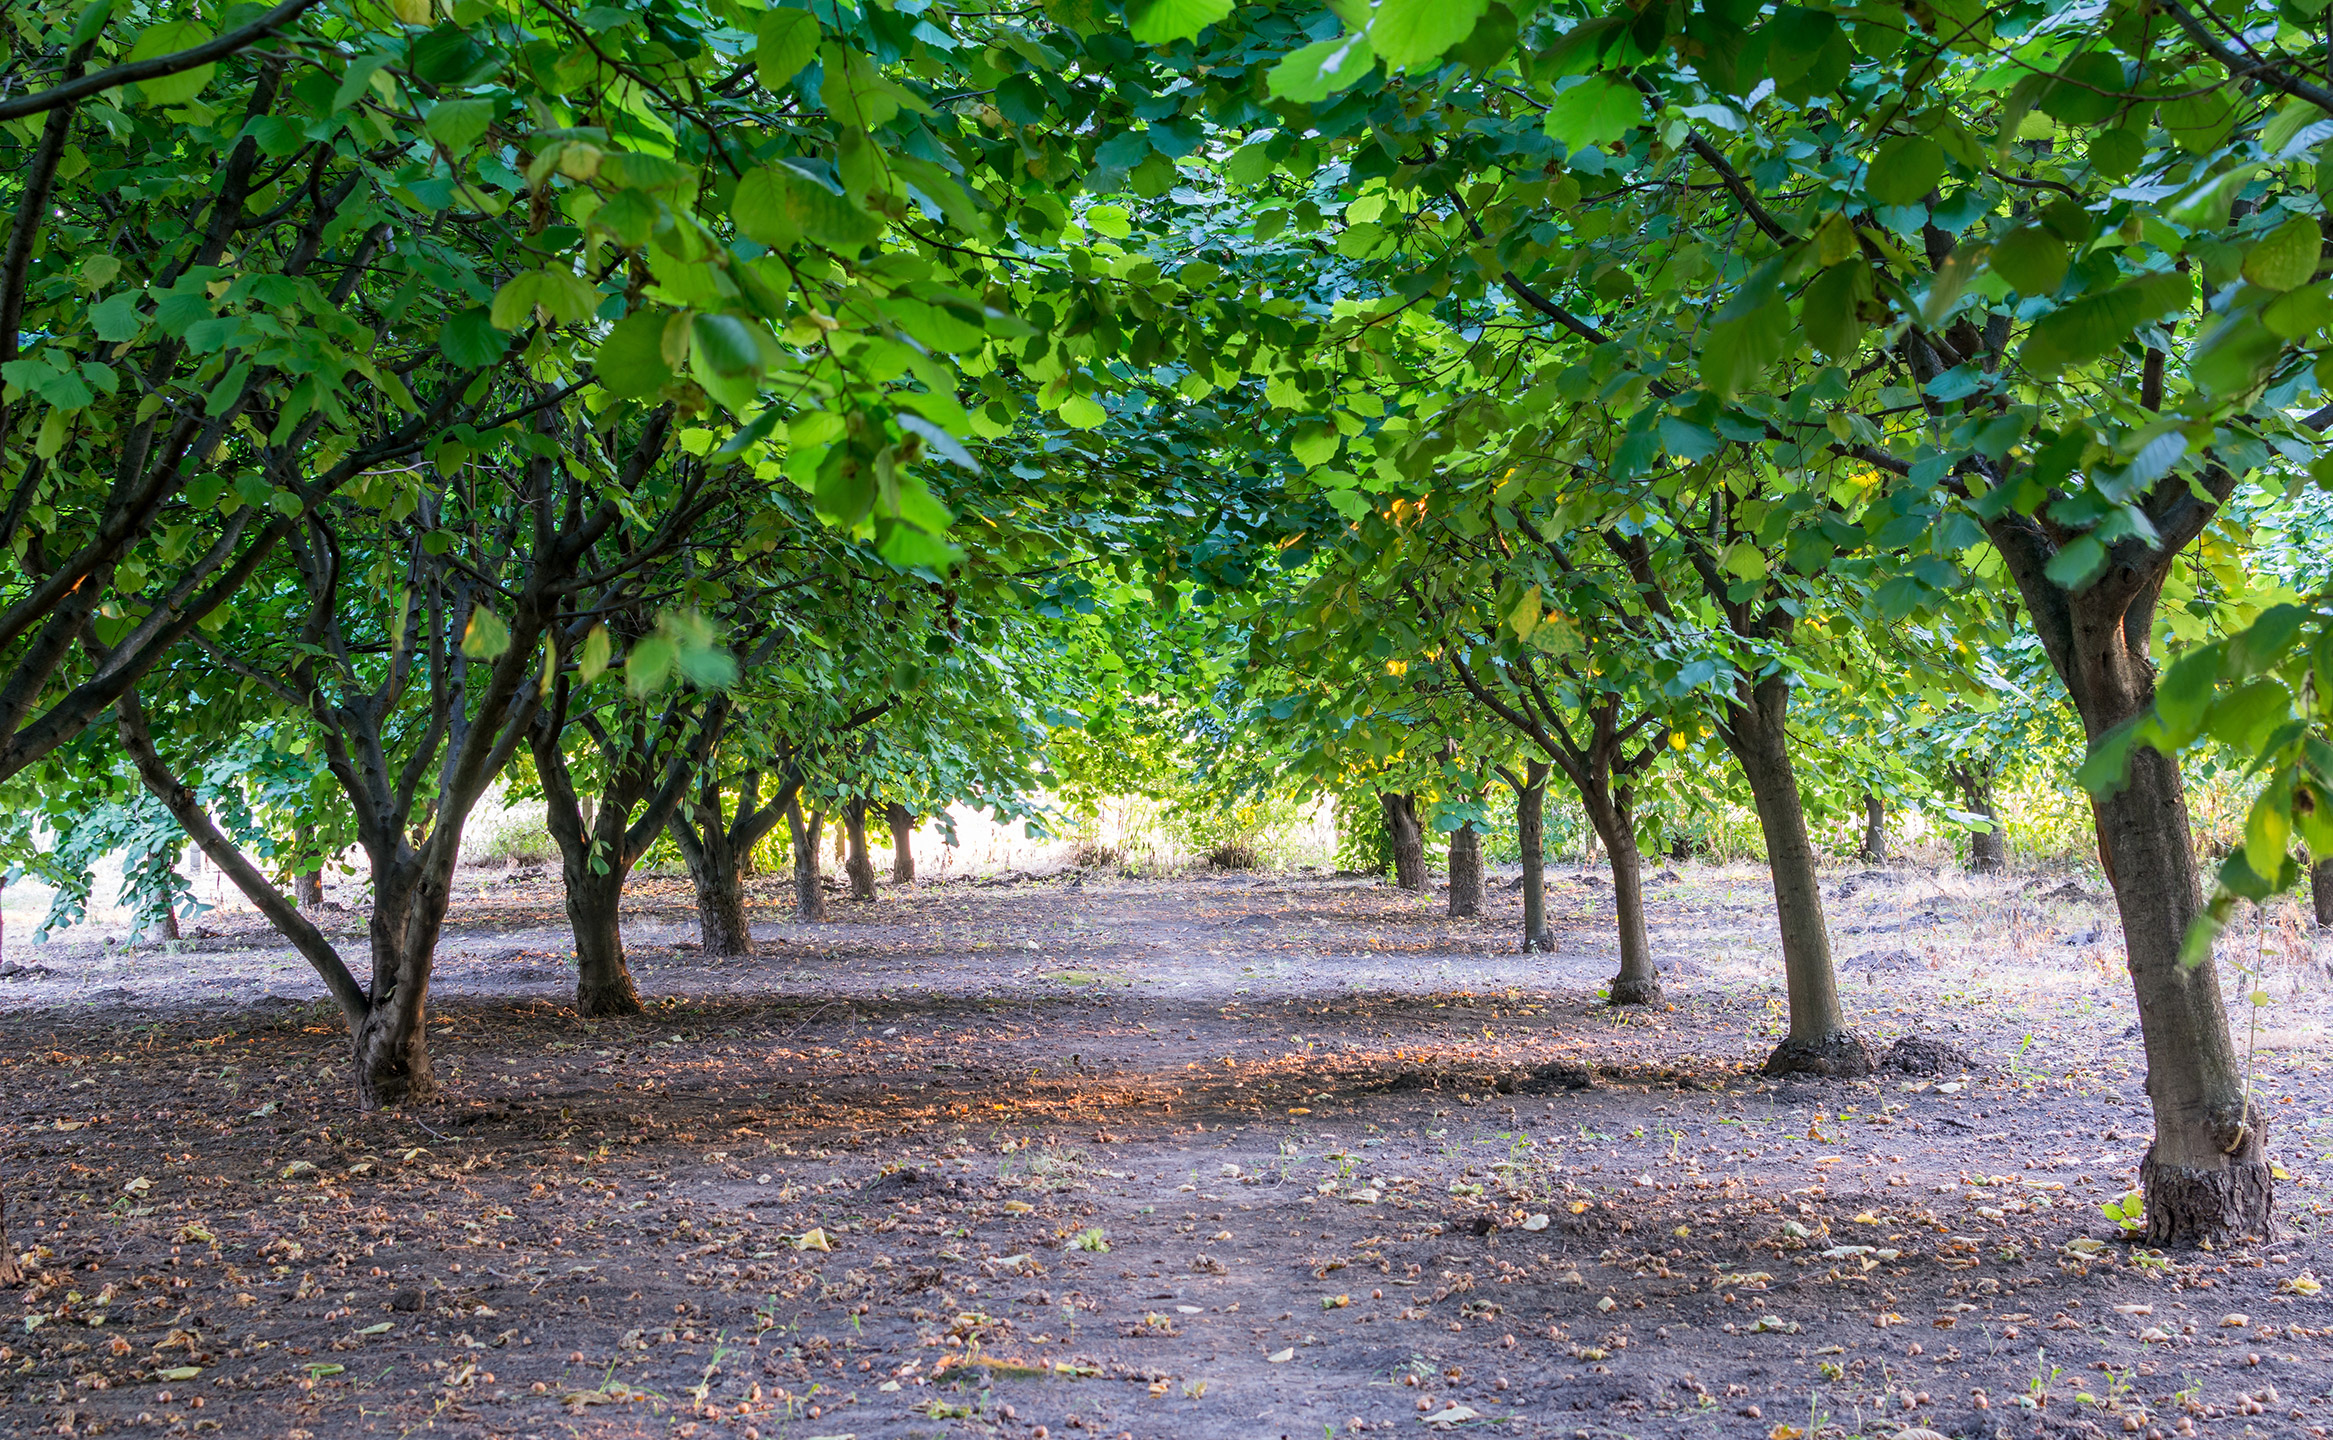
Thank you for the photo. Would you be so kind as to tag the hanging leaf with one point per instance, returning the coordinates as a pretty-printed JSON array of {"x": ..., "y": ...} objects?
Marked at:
[
  {"x": 1415, "y": 34},
  {"x": 486, "y": 637},
  {"x": 593, "y": 662},
  {"x": 1162, "y": 22}
]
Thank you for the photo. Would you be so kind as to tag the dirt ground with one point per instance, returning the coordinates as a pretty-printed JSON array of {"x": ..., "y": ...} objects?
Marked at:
[{"x": 1268, "y": 1156}]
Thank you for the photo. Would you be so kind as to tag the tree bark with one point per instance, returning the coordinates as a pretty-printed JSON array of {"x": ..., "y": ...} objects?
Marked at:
[
  {"x": 603, "y": 979},
  {"x": 902, "y": 822},
  {"x": 858, "y": 864},
  {"x": 1531, "y": 838},
  {"x": 391, "y": 1043},
  {"x": 2321, "y": 891},
  {"x": 1819, "y": 1041},
  {"x": 1409, "y": 841},
  {"x": 308, "y": 890},
  {"x": 2206, "y": 1177},
  {"x": 1465, "y": 873},
  {"x": 1615, "y": 824},
  {"x": 809, "y": 893},
  {"x": 716, "y": 871},
  {"x": 1988, "y": 850},
  {"x": 1873, "y": 850},
  {"x": 11, "y": 1273}
]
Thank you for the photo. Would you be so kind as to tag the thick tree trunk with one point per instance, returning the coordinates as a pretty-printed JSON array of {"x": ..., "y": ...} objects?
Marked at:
[
  {"x": 902, "y": 822},
  {"x": 1465, "y": 873},
  {"x": 720, "y": 884},
  {"x": 1819, "y": 1041},
  {"x": 858, "y": 864},
  {"x": 1637, "y": 983},
  {"x": 1531, "y": 838},
  {"x": 2321, "y": 891},
  {"x": 308, "y": 890},
  {"x": 1409, "y": 841},
  {"x": 1873, "y": 850},
  {"x": 390, "y": 1044},
  {"x": 603, "y": 980},
  {"x": 1988, "y": 850},
  {"x": 2206, "y": 1175},
  {"x": 809, "y": 894}
]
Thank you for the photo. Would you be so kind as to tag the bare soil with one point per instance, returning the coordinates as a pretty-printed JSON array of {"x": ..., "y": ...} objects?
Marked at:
[{"x": 1239, "y": 1156}]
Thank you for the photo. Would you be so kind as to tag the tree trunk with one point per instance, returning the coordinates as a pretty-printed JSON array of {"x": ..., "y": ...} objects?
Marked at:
[
  {"x": 603, "y": 980},
  {"x": 1465, "y": 873},
  {"x": 1637, "y": 983},
  {"x": 809, "y": 894},
  {"x": 1531, "y": 838},
  {"x": 390, "y": 1043},
  {"x": 308, "y": 890},
  {"x": 1409, "y": 841},
  {"x": 11, "y": 1273},
  {"x": 1988, "y": 850},
  {"x": 902, "y": 822},
  {"x": 1873, "y": 850},
  {"x": 720, "y": 884},
  {"x": 1819, "y": 1042},
  {"x": 2207, "y": 1173},
  {"x": 858, "y": 864},
  {"x": 2321, "y": 891}
]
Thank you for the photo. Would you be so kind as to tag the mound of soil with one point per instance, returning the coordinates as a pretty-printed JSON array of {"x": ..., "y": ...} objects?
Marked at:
[{"x": 1926, "y": 1055}]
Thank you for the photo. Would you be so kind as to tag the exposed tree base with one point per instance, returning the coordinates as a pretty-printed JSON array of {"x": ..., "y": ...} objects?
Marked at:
[
  {"x": 598, "y": 999},
  {"x": 1627, "y": 990},
  {"x": 2187, "y": 1206},
  {"x": 1543, "y": 942},
  {"x": 1840, "y": 1055},
  {"x": 391, "y": 1086}
]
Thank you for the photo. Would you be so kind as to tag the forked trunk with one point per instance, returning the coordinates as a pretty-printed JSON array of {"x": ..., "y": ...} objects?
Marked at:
[
  {"x": 809, "y": 894},
  {"x": 902, "y": 822},
  {"x": 603, "y": 980},
  {"x": 1409, "y": 841},
  {"x": 1819, "y": 1042},
  {"x": 1637, "y": 983},
  {"x": 1531, "y": 838},
  {"x": 716, "y": 871},
  {"x": 1465, "y": 873},
  {"x": 857, "y": 863},
  {"x": 1873, "y": 850}
]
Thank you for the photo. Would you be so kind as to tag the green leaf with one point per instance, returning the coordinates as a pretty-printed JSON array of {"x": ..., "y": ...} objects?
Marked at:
[
  {"x": 2287, "y": 257},
  {"x": 2077, "y": 564},
  {"x": 786, "y": 41},
  {"x": 1594, "y": 112},
  {"x": 1737, "y": 352},
  {"x": 2031, "y": 259},
  {"x": 593, "y": 662},
  {"x": 1163, "y": 22},
  {"x": 1315, "y": 444},
  {"x": 168, "y": 38},
  {"x": 459, "y": 124},
  {"x": 2095, "y": 324},
  {"x": 778, "y": 206},
  {"x": 1744, "y": 561},
  {"x": 2236, "y": 356},
  {"x": 1414, "y": 34},
  {"x": 631, "y": 362},
  {"x": 1318, "y": 71},
  {"x": 2087, "y": 91},
  {"x": 1904, "y": 171},
  {"x": 470, "y": 340},
  {"x": 726, "y": 345},
  {"x": 2200, "y": 123},
  {"x": 1082, "y": 413},
  {"x": 2116, "y": 153},
  {"x": 649, "y": 667},
  {"x": 1828, "y": 312},
  {"x": 486, "y": 637}
]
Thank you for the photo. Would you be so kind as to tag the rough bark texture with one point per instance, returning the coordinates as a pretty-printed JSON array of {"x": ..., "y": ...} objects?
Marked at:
[
  {"x": 11, "y": 1273},
  {"x": 716, "y": 870},
  {"x": 603, "y": 981},
  {"x": 391, "y": 1043},
  {"x": 2321, "y": 891},
  {"x": 1873, "y": 850},
  {"x": 1988, "y": 850},
  {"x": 1531, "y": 838},
  {"x": 308, "y": 890},
  {"x": 1819, "y": 1042},
  {"x": 2206, "y": 1177},
  {"x": 1637, "y": 983},
  {"x": 809, "y": 893},
  {"x": 857, "y": 864},
  {"x": 1409, "y": 840},
  {"x": 1465, "y": 873},
  {"x": 902, "y": 823}
]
